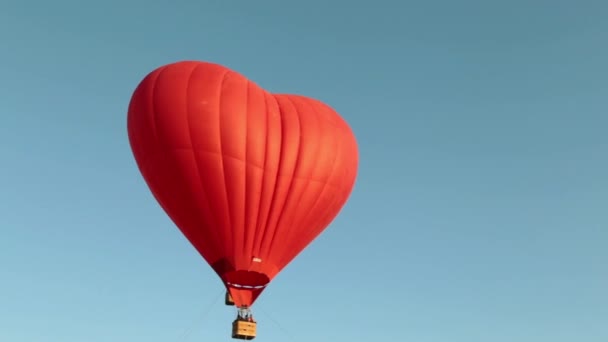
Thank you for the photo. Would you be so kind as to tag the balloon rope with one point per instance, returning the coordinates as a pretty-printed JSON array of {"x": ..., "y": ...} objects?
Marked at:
[
  {"x": 287, "y": 333},
  {"x": 200, "y": 319}
]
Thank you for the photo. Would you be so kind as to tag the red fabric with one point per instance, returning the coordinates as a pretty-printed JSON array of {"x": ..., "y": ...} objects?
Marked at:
[{"x": 249, "y": 177}]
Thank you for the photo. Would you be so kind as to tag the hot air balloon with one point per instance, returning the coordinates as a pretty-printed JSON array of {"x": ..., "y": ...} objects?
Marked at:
[{"x": 249, "y": 177}]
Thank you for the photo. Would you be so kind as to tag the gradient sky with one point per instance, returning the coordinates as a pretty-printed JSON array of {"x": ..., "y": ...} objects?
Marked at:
[{"x": 479, "y": 213}]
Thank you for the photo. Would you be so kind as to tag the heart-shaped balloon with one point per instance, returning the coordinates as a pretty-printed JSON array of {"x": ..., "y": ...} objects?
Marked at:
[{"x": 249, "y": 177}]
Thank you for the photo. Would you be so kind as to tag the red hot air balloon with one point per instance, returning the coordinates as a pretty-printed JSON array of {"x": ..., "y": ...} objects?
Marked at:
[{"x": 249, "y": 177}]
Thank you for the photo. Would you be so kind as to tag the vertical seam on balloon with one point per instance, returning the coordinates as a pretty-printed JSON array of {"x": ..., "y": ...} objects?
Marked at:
[
  {"x": 338, "y": 201},
  {"x": 258, "y": 229},
  {"x": 291, "y": 180},
  {"x": 333, "y": 169},
  {"x": 335, "y": 199},
  {"x": 210, "y": 246},
  {"x": 277, "y": 182},
  {"x": 155, "y": 125},
  {"x": 153, "y": 106},
  {"x": 288, "y": 242},
  {"x": 223, "y": 166},
  {"x": 246, "y": 202}
]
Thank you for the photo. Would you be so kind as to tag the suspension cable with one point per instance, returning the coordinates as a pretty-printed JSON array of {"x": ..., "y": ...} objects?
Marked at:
[
  {"x": 285, "y": 331},
  {"x": 201, "y": 319}
]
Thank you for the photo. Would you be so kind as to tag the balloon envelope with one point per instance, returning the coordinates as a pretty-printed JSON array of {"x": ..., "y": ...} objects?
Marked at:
[{"x": 249, "y": 177}]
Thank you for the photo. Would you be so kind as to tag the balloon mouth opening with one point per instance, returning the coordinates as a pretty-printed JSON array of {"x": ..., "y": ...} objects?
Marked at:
[{"x": 241, "y": 279}]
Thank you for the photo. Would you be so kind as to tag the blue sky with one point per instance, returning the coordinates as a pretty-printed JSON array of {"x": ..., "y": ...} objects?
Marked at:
[{"x": 479, "y": 213}]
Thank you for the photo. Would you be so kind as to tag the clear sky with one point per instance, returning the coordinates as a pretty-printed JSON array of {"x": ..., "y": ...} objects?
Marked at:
[{"x": 479, "y": 213}]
